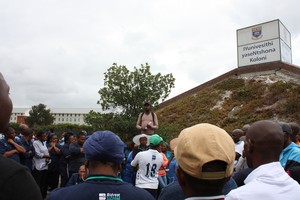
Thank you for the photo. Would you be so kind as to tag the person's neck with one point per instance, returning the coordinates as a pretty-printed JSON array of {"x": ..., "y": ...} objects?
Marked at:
[
  {"x": 103, "y": 170},
  {"x": 147, "y": 112},
  {"x": 27, "y": 138}
]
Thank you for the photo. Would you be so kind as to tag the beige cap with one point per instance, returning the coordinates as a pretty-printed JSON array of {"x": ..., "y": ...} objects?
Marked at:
[
  {"x": 203, "y": 143},
  {"x": 173, "y": 143}
]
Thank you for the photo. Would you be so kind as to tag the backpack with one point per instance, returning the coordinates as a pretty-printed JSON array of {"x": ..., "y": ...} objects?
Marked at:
[{"x": 152, "y": 113}]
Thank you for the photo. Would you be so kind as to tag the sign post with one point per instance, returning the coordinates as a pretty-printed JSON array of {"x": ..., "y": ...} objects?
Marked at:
[{"x": 262, "y": 43}]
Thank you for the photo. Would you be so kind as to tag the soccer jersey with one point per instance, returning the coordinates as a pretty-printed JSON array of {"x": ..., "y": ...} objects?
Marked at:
[{"x": 149, "y": 163}]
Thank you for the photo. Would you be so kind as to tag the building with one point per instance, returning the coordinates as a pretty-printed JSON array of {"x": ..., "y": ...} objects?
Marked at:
[{"x": 61, "y": 115}]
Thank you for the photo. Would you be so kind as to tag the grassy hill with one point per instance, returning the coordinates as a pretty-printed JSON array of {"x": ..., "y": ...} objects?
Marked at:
[{"x": 234, "y": 102}]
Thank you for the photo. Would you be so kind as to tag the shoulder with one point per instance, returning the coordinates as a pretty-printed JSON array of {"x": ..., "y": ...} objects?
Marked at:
[
  {"x": 134, "y": 192},
  {"x": 89, "y": 191},
  {"x": 17, "y": 176},
  {"x": 69, "y": 192},
  {"x": 172, "y": 191}
]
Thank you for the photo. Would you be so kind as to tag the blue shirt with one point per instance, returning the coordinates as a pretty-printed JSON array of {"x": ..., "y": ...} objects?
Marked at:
[
  {"x": 26, "y": 158},
  {"x": 290, "y": 153},
  {"x": 6, "y": 146},
  {"x": 103, "y": 188}
]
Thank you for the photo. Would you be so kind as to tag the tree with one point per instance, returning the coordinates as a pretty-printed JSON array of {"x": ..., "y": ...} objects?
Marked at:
[
  {"x": 128, "y": 90},
  {"x": 115, "y": 122},
  {"x": 39, "y": 115}
]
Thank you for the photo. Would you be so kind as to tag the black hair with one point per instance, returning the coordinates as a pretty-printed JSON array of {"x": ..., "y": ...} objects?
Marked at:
[
  {"x": 67, "y": 136},
  {"x": 27, "y": 132},
  {"x": 81, "y": 133},
  {"x": 40, "y": 133},
  {"x": 8, "y": 130}
]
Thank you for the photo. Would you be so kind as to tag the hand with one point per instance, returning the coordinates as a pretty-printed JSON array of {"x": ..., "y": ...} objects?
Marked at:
[
  {"x": 52, "y": 144},
  {"x": 11, "y": 141},
  {"x": 149, "y": 126}
]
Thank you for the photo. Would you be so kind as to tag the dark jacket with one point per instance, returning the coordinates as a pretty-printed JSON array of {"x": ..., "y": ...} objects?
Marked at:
[{"x": 77, "y": 158}]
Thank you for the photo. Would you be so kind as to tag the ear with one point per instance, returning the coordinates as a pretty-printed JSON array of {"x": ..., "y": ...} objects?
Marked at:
[
  {"x": 87, "y": 164},
  {"x": 180, "y": 177},
  {"x": 250, "y": 146},
  {"x": 120, "y": 167}
]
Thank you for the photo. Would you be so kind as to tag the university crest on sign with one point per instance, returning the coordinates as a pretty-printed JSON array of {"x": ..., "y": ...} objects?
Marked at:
[{"x": 257, "y": 33}]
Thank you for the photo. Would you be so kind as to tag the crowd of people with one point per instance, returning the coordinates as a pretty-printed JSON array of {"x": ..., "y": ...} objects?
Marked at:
[{"x": 258, "y": 161}]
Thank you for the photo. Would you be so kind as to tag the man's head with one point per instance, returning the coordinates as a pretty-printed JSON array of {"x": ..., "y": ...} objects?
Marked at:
[
  {"x": 10, "y": 133},
  {"x": 147, "y": 107},
  {"x": 264, "y": 143},
  {"x": 28, "y": 134},
  {"x": 155, "y": 141},
  {"x": 82, "y": 172},
  {"x": 5, "y": 104},
  {"x": 22, "y": 128},
  {"x": 236, "y": 134},
  {"x": 141, "y": 139},
  {"x": 245, "y": 129},
  {"x": 81, "y": 138},
  {"x": 205, "y": 155},
  {"x": 287, "y": 130},
  {"x": 41, "y": 135},
  {"x": 69, "y": 137},
  {"x": 295, "y": 131},
  {"x": 104, "y": 148}
]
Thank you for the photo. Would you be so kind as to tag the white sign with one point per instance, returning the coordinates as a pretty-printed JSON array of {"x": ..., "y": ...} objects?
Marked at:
[
  {"x": 261, "y": 52},
  {"x": 263, "y": 43}
]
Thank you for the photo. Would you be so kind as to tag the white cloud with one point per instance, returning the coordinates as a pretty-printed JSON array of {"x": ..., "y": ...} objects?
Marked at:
[{"x": 56, "y": 52}]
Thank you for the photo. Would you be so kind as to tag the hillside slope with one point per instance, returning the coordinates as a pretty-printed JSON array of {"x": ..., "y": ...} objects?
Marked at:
[{"x": 234, "y": 102}]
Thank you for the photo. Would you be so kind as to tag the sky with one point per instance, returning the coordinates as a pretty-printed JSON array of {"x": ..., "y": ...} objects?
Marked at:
[{"x": 56, "y": 52}]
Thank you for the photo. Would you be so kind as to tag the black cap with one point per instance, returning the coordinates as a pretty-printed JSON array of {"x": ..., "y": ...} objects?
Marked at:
[
  {"x": 286, "y": 128},
  {"x": 147, "y": 104}
]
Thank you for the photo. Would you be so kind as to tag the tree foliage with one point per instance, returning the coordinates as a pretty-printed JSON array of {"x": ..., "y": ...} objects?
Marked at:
[
  {"x": 115, "y": 122},
  {"x": 39, "y": 115},
  {"x": 128, "y": 90}
]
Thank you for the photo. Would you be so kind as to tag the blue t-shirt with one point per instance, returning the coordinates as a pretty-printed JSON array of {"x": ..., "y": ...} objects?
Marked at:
[
  {"x": 108, "y": 188},
  {"x": 6, "y": 146}
]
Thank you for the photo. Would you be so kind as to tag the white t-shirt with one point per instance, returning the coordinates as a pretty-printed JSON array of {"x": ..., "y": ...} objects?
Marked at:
[{"x": 149, "y": 163}]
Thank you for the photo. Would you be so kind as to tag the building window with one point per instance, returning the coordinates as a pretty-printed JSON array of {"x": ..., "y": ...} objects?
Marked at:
[{"x": 62, "y": 119}]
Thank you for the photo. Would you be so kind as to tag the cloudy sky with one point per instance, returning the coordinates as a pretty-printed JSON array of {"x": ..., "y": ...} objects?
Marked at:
[{"x": 56, "y": 51}]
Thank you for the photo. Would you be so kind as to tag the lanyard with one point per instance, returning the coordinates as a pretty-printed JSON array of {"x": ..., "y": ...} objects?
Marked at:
[{"x": 104, "y": 178}]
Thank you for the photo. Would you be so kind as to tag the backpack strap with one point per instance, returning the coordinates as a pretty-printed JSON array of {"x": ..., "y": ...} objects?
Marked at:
[
  {"x": 141, "y": 118},
  {"x": 152, "y": 113}
]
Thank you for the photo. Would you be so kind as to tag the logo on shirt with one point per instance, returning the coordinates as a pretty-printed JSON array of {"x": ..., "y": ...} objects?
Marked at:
[
  {"x": 153, "y": 157},
  {"x": 109, "y": 196}
]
